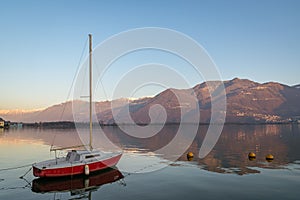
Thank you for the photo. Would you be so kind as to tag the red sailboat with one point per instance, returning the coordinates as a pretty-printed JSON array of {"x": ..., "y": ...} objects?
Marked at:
[{"x": 78, "y": 161}]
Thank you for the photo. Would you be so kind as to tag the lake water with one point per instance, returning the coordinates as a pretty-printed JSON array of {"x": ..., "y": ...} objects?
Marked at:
[{"x": 145, "y": 173}]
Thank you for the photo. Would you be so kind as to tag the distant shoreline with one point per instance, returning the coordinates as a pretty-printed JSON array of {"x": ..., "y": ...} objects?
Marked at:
[{"x": 73, "y": 125}]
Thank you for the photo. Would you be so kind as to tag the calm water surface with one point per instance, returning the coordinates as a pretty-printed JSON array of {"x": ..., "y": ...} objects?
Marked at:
[{"x": 225, "y": 173}]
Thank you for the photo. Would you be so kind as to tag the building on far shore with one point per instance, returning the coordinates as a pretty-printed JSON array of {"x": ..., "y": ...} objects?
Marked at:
[
  {"x": 2, "y": 122},
  {"x": 296, "y": 119}
]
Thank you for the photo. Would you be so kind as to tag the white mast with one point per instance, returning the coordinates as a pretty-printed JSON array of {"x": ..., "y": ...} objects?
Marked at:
[{"x": 90, "y": 86}]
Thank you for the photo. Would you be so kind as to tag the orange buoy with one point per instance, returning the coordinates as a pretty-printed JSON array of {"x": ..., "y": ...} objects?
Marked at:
[
  {"x": 251, "y": 156},
  {"x": 269, "y": 157},
  {"x": 190, "y": 159},
  {"x": 190, "y": 156}
]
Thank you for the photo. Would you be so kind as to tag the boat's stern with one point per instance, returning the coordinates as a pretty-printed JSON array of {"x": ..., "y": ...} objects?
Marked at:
[{"x": 37, "y": 171}]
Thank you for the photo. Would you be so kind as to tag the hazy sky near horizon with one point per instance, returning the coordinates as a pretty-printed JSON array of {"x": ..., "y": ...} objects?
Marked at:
[{"x": 41, "y": 42}]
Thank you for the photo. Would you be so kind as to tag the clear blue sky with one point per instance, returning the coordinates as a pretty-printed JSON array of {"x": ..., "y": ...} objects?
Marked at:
[{"x": 41, "y": 41}]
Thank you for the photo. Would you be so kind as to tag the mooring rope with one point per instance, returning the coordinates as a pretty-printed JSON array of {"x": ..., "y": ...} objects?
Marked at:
[
  {"x": 28, "y": 185},
  {"x": 13, "y": 168},
  {"x": 21, "y": 177},
  {"x": 140, "y": 170}
]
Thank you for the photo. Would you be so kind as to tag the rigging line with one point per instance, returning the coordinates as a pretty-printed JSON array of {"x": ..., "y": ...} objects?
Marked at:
[
  {"x": 100, "y": 80},
  {"x": 73, "y": 81},
  {"x": 72, "y": 84},
  {"x": 85, "y": 74},
  {"x": 82, "y": 85}
]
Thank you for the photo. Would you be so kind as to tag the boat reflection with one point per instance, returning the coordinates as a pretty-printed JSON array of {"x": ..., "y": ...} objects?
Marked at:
[{"x": 77, "y": 185}]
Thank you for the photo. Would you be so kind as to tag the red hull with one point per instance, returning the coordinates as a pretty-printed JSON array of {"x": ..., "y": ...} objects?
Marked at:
[
  {"x": 42, "y": 185},
  {"x": 76, "y": 169}
]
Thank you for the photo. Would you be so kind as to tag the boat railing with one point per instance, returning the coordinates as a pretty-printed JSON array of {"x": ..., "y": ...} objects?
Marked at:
[{"x": 66, "y": 148}]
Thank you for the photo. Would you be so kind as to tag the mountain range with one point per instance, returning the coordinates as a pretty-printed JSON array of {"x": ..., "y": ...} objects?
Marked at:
[{"x": 246, "y": 102}]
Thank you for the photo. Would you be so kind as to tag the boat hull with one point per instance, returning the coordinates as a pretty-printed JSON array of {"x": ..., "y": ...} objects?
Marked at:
[
  {"x": 76, "y": 169},
  {"x": 44, "y": 185}
]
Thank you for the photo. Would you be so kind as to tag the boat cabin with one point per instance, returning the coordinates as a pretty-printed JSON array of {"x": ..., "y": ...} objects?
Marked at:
[{"x": 77, "y": 156}]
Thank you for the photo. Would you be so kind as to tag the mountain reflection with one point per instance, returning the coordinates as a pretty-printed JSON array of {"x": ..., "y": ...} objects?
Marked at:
[{"x": 230, "y": 154}]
